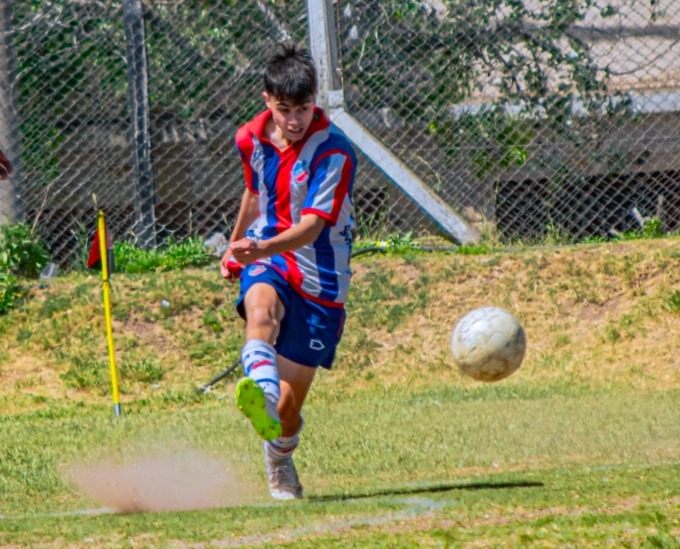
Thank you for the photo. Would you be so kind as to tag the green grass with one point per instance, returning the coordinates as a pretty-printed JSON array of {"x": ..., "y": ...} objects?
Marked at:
[
  {"x": 379, "y": 469},
  {"x": 607, "y": 506},
  {"x": 173, "y": 255},
  {"x": 579, "y": 448}
]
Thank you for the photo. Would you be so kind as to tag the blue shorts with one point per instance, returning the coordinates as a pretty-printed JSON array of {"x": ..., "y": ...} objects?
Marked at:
[{"x": 309, "y": 332}]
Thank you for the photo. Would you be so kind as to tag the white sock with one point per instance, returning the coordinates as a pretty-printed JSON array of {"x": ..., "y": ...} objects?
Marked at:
[
  {"x": 258, "y": 359},
  {"x": 283, "y": 446}
]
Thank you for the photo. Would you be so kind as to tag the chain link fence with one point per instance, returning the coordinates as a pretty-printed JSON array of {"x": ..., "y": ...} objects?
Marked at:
[{"x": 527, "y": 118}]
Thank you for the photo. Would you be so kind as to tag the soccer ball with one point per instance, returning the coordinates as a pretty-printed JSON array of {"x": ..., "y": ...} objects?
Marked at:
[{"x": 488, "y": 344}]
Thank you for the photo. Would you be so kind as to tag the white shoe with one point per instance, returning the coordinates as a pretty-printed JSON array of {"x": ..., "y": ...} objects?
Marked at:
[{"x": 283, "y": 479}]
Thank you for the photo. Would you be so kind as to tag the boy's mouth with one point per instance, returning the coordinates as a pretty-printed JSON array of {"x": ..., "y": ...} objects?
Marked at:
[{"x": 297, "y": 133}]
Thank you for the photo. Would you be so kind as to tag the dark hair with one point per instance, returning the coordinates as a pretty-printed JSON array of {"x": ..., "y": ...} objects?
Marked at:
[{"x": 290, "y": 73}]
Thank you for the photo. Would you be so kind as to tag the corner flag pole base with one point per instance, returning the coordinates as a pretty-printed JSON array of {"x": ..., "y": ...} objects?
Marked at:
[{"x": 206, "y": 387}]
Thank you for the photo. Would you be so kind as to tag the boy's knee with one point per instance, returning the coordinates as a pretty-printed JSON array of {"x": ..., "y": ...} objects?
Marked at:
[{"x": 262, "y": 316}]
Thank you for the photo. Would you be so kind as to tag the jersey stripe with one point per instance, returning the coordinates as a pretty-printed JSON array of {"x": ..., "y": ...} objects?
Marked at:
[{"x": 313, "y": 176}]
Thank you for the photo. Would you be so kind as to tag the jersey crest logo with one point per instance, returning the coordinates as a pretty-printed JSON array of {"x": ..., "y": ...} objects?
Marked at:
[
  {"x": 300, "y": 172},
  {"x": 256, "y": 270}
]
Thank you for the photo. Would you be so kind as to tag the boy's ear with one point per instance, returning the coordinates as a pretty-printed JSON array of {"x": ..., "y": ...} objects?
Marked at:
[{"x": 265, "y": 95}]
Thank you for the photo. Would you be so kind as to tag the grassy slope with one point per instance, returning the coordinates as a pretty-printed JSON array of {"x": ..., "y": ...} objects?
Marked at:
[{"x": 598, "y": 392}]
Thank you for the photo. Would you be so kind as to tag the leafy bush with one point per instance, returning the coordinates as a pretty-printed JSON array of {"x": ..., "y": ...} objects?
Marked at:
[
  {"x": 174, "y": 255},
  {"x": 9, "y": 287},
  {"x": 25, "y": 252}
]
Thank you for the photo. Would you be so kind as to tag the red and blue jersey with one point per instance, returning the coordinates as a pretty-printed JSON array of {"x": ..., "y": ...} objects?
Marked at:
[{"x": 313, "y": 176}]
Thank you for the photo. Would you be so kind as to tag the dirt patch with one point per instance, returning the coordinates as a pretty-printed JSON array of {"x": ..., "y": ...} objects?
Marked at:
[{"x": 167, "y": 480}]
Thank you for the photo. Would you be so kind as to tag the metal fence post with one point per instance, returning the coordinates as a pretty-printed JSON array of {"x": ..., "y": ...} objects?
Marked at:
[
  {"x": 323, "y": 44},
  {"x": 138, "y": 86}
]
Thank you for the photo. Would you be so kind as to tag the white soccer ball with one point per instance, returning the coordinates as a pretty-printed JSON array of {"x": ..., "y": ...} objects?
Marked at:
[{"x": 488, "y": 344}]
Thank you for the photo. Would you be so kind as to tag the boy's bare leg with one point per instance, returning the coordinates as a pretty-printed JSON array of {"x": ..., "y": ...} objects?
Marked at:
[
  {"x": 296, "y": 379},
  {"x": 264, "y": 312},
  {"x": 258, "y": 394}
]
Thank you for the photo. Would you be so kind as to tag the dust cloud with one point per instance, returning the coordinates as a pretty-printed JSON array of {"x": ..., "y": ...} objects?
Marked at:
[{"x": 170, "y": 480}]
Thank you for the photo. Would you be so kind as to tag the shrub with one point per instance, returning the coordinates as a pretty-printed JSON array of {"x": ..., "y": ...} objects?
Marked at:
[
  {"x": 25, "y": 252},
  {"x": 9, "y": 286},
  {"x": 174, "y": 255}
]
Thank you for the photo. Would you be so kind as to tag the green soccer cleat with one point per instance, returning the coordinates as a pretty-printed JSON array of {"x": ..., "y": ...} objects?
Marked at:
[{"x": 253, "y": 403}]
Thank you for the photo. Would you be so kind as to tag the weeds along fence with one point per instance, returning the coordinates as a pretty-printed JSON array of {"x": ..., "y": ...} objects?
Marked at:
[{"x": 519, "y": 119}]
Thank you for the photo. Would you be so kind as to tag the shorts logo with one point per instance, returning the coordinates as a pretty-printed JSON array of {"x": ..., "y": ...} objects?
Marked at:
[
  {"x": 316, "y": 345},
  {"x": 256, "y": 270},
  {"x": 300, "y": 172}
]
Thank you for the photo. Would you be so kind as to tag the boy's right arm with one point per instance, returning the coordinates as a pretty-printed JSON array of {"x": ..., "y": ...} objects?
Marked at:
[{"x": 247, "y": 214}]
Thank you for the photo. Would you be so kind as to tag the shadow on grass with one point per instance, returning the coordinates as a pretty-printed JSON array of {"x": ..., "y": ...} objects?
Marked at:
[{"x": 434, "y": 488}]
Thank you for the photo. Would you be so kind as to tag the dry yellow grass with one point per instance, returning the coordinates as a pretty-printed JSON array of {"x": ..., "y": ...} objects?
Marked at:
[
  {"x": 604, "y": 314},
  {"x": 600, "y": 315}
]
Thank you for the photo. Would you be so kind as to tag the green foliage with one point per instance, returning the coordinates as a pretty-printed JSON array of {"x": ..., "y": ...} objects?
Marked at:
[
  {"x": 651, "y": 228},
  {"x": 22, "y": 255},
  {"x": 10, "y": 290},
  {"x": 400, "y": 243},
  {"x": 146, "y": 370},
  {"x": 212, "y": 320},
  {"x": 393, "y": 244},
  {"x": 85, "y": 372},
  {"x": 174, "y": 255},
  {"x": 453, "y": 50},
  {"x": 402, "y": 299},
  {"x": 673, "y": 302},
  {"x": 25, "y": 252},
  {"x": 474, "y": 249}
]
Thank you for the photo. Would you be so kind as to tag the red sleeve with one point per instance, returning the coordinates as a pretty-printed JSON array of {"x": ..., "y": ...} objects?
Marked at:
[{"x": 244, "y": 146}]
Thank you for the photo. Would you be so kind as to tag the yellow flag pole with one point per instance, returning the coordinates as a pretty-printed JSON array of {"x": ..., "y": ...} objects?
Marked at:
[{"x": 106, "y": 289}]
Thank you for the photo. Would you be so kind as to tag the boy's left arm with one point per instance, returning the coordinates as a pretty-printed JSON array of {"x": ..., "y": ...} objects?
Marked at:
[{"x": 246, "y": 251}]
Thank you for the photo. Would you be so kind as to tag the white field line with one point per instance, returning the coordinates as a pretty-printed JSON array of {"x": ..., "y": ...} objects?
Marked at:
[
  {"x": 77, "y": 512},
  {"x": 418, "y": 507}
]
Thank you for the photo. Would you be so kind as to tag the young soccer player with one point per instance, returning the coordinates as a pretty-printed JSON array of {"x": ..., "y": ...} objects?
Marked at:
[{"x": 290, "y": 247}]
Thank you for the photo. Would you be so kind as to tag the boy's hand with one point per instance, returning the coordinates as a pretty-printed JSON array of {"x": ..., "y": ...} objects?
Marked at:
[
  {"x": 6, "y": 168},
  {"x": 245, "y": 251},
  {"x": 230, "y": 268}
]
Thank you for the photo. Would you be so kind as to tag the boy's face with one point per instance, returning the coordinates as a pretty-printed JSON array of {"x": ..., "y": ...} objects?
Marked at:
[{"x": 291, "y": 119}]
